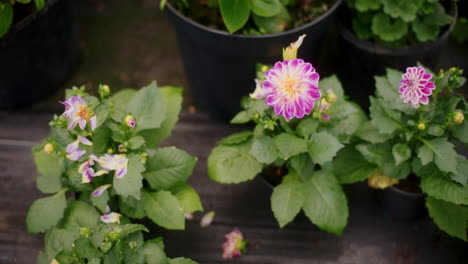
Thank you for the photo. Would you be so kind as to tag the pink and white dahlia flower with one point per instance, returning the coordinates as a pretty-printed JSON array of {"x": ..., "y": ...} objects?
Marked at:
[
  {"x": 416, "y": 87},
  {"x": 78, "y": 112},
  {"x": 291, "y": 88}
]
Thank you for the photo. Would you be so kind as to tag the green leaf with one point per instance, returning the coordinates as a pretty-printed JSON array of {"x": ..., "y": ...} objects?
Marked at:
[
  {"x": 438, "y": 16},
  {"x": 367, "y": 5},
  {"x": 164, "y": 209},
  {"x": 273, "y": 24},
  {"x": 387, "y": 89},
  {"x": 125, "y": 230},
  {"x": 323, "y": 147},
  {"x": 449, "y": 217},
  {"x": 236, "y": 138},
  {"x": 306, "y": 127},
  {"x": 401, "y": 153},
  {"x": 102, "y": 140},
  {"x": 371, "y": 134},
  {"x": 425, "y": 154},
  {"x": 232, "y": 164},
  {"x": 39, "y": 4},
  {"x": 445, "y": 156},
  {"x": 172, "y": 97},
  {"x": 136, "y": 142},
  {"x": 388, "y": 29},
  {"x": 286, "y": 201},
  {"x": 132, "y": 207},
  {"x": 153, "y": 253},
  {"x": 381, "y": 155},
  {"x": 235, "y": 13},
  {"x": 406, "y": 10},
  {"x": 325, "y": 203},
  {"x": 349, "y": 166},
  {"x": 181, "y": 261},
  {"x": 85, "y": 249},
  {"x": 385, "y": 120},
  {"x": 303, "y": 165},
  {"x": 439, "y": 186},
  {"x": 266, "y": 8},
  {"x": 50, "y": 166},
  {"x": 100, "y": 202},
  {"x": 6, "y": 17},
  {"x": 425, "y": 32},
  {"x": 349, "y": 125},
  {"x": 241, "y": 118},
  {"x": 57, "y": 240},
  {"x": 46, "y": 212},
  {"x": 264, "y": 149},
  {"x": 169, "y": 167},
  {"x": 148, "y": 107},
  {"x": 461, "y": 132},
  {"x": 119, "y": 104},
  {"x": 80, "y": 214},
  {"x": 188, "y": 198},
  {"x": 332, "y": 82},
  {"x": 361, "y": 23},
  {"x": 132, "y": 182},
  {"x": 462, "y": 171},
  {"x": 289, "y": 145}
]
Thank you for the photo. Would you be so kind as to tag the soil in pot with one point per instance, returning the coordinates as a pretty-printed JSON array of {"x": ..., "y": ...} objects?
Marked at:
[
  {"x": 361, "y": 60},
  {"x": 403, "y": 201},
  {"x": 220, "y": 67},
  {"x": 38, "y": 53}
]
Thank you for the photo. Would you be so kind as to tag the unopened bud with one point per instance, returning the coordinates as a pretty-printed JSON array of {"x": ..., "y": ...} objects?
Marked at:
[
  {"x": 104, "y": 90},
  {"x": 458, "y": 117},
  {"x": 48, "y": 148},
  {"x": 421, "y": 126},
  {"x": 130, "y": 121},
  {"x": 330, "y": 96},
  {"x": 290, "y": 52}
]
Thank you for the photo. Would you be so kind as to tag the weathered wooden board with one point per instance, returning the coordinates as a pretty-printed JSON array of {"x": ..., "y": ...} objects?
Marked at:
[{"x": 371, "y": 237}]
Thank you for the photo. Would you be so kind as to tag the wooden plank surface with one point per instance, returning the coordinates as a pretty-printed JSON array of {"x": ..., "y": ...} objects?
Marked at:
[{"x": 371, "y": 237}]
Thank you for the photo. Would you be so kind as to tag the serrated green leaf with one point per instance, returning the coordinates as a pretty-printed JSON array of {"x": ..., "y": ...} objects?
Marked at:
[
  {"x": 361, "y": 23},
  {"x": 136, "y": 142},
  {"x": 306, "y": 127},
  {"x": 325, "y": 203},
  {"x": 119, "y": 104},
  {"x": 132, "y": 207},
  {"x": 449, "y": 217},
  {"x": 169, "y": 167},
  {"x": 438, "y": 185},
  {"x": 265, "y": 8},
  {"x": 232, "y": 164},
  {"x": 423, "y": 31},
  {"x": 50, "y": 166},
  {"x": 406, "y": 10},
  {"x": 371, "y": 134},
  {"x": 164, "y": 209},
  {"x": 289, "y": 145},
  {"x": 323, "y": 147},
  {"x": 385, "y": 120},
  {"x": 188, "y": 198},
  {"x": 235, "y": 13},
  {"x": 349, "y": 166},
  {"x": 172, "y": 97},
  {"x": 462, "y": 171},
  {"x": 264, "y": 149},
  {"x": 148, "y": 107},
  {"x": 6, "y": 17},
  {"x": 153, "y": 254},
  {"x": 85, "y": 249},
  {"x": 236, "y": 138},
  {"x": 445, "y": 156},
  {"x": 102, "y": 140},
  {"x": 425, "y": 154},
  {"x": 57, "y": 240},
  {"x": 303, "y": 165},
  {"x": 132, "y": 182},
  {"x": 241, "y": 118},
  {"x": 388, "y": 29},
  {"x": 286, "y": 201},
  {"x": 401, "y": 153},
  {"x": 100, "y": 202},
  {"x": 461, "y": 132},
  {"x": 438, "y": 16},
  {"x": 181, "y": 261},
  {"x": 46, "y": 212},
  {"x": 80, "y": 214}
]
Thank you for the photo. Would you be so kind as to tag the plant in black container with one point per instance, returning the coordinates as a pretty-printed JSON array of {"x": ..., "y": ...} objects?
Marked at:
[
  {"x": 417, "y": 119},
  {"x": 221, "y": 41},
  {"x": 38, "y": 48},
  {"x": 391, "y": 33}
]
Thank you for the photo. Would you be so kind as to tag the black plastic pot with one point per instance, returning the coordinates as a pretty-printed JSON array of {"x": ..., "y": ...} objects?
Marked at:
[
  {"x": 38, "y": 53},
  {"x": 220, "y": 67},
  {"x": 362, "y": 59},
  {"x": 402, "y": 205}
]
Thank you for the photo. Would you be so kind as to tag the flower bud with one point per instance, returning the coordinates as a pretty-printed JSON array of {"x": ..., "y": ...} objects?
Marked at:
[
  {"x": 264, "y": 68},
  {"x": 458, "y": 117},
  {"x": 130, "y": 121},
  {"x": 330, "y": 96},
  {"x": 290, "y": 52},
  {"x": 48, "y": 148},
  {"x": 104, "y": 90},
  {"x": 110, "y": 151},
  {"x": 421, "y": 126},
  {"x": 85, "y": 231}
]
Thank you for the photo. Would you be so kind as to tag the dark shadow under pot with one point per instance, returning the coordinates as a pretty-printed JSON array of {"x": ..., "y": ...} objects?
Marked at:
[
  {"x": 38, "y": 53},
  {"x": 360, "y": 59},
  {"x": 220, "y": 67},
  {"x": 403, "y": 201}
]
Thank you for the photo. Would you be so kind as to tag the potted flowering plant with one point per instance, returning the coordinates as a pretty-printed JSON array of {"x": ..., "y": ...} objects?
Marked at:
[
  {"x": 225, "y": 39},
  {"x": 102, "y": 153},
  {"x": 416, "y": 119},
  {"x": 392, "y": 33},
  {"x": 302, "y": 124},
  {"x": 38, "y": 47}
]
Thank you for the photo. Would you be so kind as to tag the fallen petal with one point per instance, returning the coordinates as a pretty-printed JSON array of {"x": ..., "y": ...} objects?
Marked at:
[{"x": 207, "y": 219}]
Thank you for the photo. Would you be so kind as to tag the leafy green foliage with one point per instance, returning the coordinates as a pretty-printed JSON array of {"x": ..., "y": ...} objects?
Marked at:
[
  {"x": 6, "y": 17},
  {"x": 286, "y": 201},
  {"x": 164, "y": 209},
  {"x": 132, "y": 182},
  {"x": 388, "y": 29},
  {"x": 441, "y": 187},
  {"x": 323, "y": 147},
  {"x": 148, "y": 107},
  {"x": 50, "y": 167},
  {"x": 264, "y": 149},
  {"x": 235, "y": 13},
  {"x": 188, "y": 198},
  {"x": 45, "y": 213},
  {"x": 449, "y": 217},
  {"x": 265, "y": 8},
  {"x": 349, "y": 166},
  {"x": 289, "y": 145}
]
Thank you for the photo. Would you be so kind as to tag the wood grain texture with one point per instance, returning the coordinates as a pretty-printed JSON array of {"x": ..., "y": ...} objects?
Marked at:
[{"x": 371, "y": 237}]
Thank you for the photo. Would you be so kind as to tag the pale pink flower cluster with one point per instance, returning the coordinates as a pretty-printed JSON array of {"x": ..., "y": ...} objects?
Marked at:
[{"x": 235, "y": 245}]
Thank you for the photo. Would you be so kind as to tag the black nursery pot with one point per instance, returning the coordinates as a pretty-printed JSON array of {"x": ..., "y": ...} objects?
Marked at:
[
  {"x": 400, "y": 204},
  {"x": 220, "y": 67},
  {"x": 38, "y": 53},
  {"x": 362, "y": 59}
]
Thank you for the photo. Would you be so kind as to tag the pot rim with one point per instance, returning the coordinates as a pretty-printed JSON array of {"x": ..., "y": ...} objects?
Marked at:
[
  {"x": 405, "y": 50},
  {"x": 406, "y": 193},
  {"x": 15, "y": 28},
  {"x": 266, "y": 36}
]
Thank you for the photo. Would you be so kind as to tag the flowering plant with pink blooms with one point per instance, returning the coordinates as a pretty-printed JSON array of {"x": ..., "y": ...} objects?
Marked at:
[
  {"x": 417, "y": 129},
  {"x": 302, "y": 122},
  {"x": 102, "y": 167}
]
